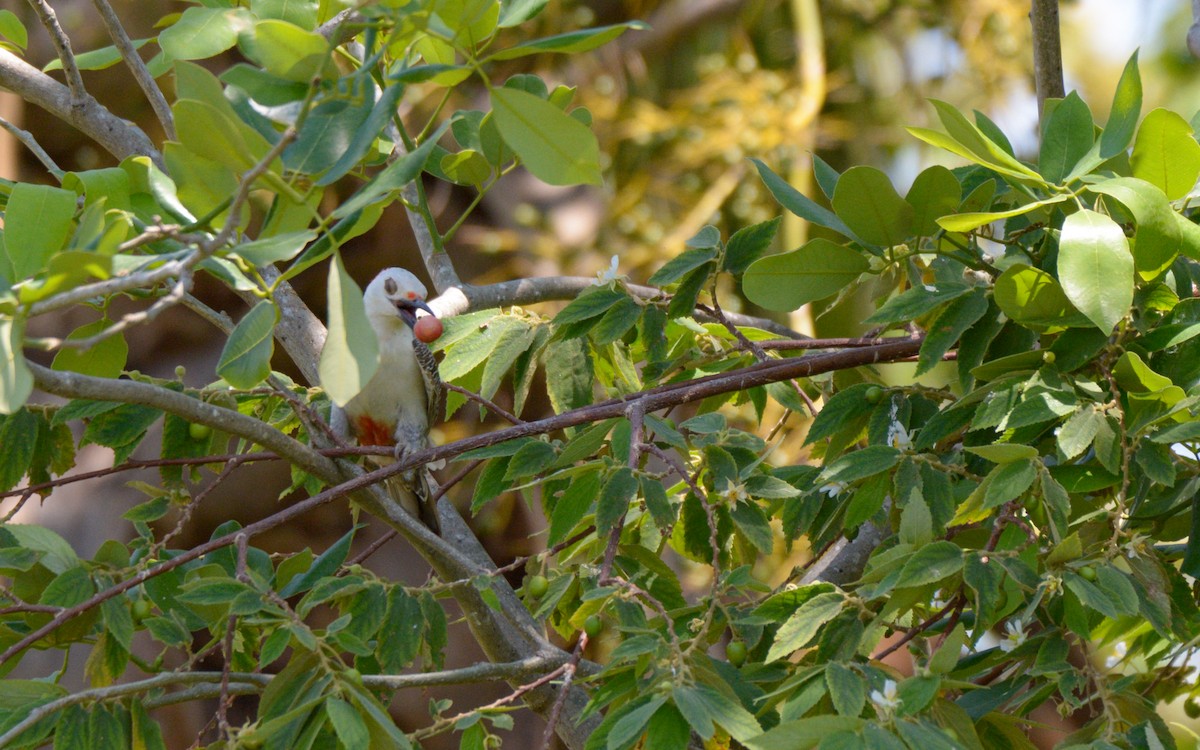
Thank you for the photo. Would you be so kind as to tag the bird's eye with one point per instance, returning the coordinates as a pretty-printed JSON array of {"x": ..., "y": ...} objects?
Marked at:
[{"x": 389, "y": 286}]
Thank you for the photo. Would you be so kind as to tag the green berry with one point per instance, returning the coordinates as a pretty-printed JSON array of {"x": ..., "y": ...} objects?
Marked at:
[
  {"x": 1191, "y": 708},
  {"x": 537, "y": 586},
  {"x": 141, "y": 609},
  {"x": 1048, "y": 357},
  {"x": 593, "y": 625},
  {"x": 1088, "y": 572},
  {"x": 874, "y": 394},
  {"x": 199, "y": 431},
  {"x": 735, "y": 652}
]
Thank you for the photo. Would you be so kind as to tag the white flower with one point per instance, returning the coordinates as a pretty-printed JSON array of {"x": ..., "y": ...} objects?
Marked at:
[
  {"x": 608, "y": 275},
  {"x": 898, "y": 437},
  {"x": 735, "y": 492},
  {"x": 1014, "y": 635},
  {"x": 832, "y": 489},
  {"x": 886, "y": 701},
  {"x": 1120, "y": 648}
]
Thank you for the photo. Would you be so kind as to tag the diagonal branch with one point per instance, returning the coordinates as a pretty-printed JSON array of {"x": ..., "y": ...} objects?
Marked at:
[
  {"x": 118, "y": 136},
  {"x": 141, "y": 73}
]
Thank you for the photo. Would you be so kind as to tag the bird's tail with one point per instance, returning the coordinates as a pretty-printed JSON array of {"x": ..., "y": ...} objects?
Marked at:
[{"x": 415, "y": 492}]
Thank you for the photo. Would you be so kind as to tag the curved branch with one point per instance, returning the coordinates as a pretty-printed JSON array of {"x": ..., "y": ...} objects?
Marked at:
[
  {"x": 141, "y": 73},
  {"x": 118, "y": 136}
]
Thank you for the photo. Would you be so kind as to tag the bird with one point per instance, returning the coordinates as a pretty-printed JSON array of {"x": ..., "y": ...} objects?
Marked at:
[{"x": 405, "y": 395}]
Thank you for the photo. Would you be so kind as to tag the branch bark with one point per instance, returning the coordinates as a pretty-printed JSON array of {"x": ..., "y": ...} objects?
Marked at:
[
  {"x": 119, "y": 137},
  {"x": 1047, "y": 52}
]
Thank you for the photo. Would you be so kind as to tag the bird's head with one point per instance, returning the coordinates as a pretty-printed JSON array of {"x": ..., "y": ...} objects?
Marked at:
[{"x": 395, "y": 293}]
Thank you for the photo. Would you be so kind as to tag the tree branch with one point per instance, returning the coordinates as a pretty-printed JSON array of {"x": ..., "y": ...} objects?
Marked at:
[
  {"x": 62, "y": 45},
  {"x": 115, "y": 135},
  {"x": 141, "y": 73},
  {"x": 1047, "y": 52}
]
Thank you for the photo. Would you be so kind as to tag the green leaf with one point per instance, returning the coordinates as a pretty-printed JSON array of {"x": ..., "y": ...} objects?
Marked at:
[
  {"x": 96, "y": 59},
  {"x": 790, "y": 280},
  {"x": 974, "y": 145},
  {"x": 1166, "y": 154},
  {"x": 950, "y": 325},
  {"x": 866, "y": 200},
  {"x": 702, "y": 706},
  {"x": 517, "y": 12},
  {"x": 805, "y": 623},
  {"x": 104, "y": 359},
  {"x": 556, "y": 148},
  {"x": 268, "y": 250},
  {"x": 206, "y": 131},
  {"x": 201, "y": 33},
  {"x": 930, "y": 564},
  {"x": 37, "y": 223},
  {"x": 573, "y": 505},
  {"x": 847, "y": 689},
  {"x": 935, "y": 193},
  {"x": 619, "y": 491},
  {"x": 748, "y": 244},
  {"x": 683, "y": 301},
  {"x": 681, "y": 265},
  {"x": 860, "y": 464},
  {"x": 350, "y": 357},
  {"x": 467, "y": 167},
  {"x": 803, "y": 734},
  {"x": 13, "y": 30},
  {"x": 286, "y": 50},
  {"x": 1068, "y": 137},
  {"x": 511, "y": 344},
  {"x": 532, "y": 458},
  {"x": 1096, "y": 268},
  {"x": 1159, "y": 235},
  {"x": 1008, "y": 481},
  {"x": 969, "y": 222},
  {"x": 327, "y": 135},
  {"x": 1124, "y": 113},
  {"x": 569, "y": 374},
  {"x": 615, "y": 323},
  {"x": 799, "y": 204},
  {"x": 1077, "y": 433},
  {"x": 16, "y": 431},
  {"x": 16, "y": 381},
  {"x": 916, "y": 302},
  {"x": 393, "y": 177},
  {"x": 349, "y": 726},
  {"x": 589, "y": 304},
  {"x": 246, "y": 359},
  {"x": 1003, "y": 453},
  {"x": 324, "y": 566},
  {"x": 1031, "y": 296},
  {"x": 572, "y": 42}
]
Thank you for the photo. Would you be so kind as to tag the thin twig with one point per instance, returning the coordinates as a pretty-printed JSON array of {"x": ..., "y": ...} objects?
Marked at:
[
  {"x": 26, "y": 138},
  {"x": 484, "y": 402},
  {"x": 62, "y": 45},
  {"x": 141, "y": 73}
]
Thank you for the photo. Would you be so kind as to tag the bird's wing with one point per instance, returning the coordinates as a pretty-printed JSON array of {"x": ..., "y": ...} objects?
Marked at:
[{"x": 435, "y": 393}]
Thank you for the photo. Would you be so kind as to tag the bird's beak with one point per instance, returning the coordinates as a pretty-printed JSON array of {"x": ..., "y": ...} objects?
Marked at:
[{"x": 408, "y": 307}]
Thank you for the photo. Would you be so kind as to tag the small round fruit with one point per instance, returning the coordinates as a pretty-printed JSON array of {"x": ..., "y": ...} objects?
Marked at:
[
  {"x": 1048, "y": 357},
  {"x": 735, "y": 652},
  {"x": 1191, "y": 708},
  {"x": 353, "y": 676},
  {"x": 427, "y": 329},
  {"x": 1088, "y": 572},
  {"x": 874, "y": 394},
  {"x": 593, "y": 625},
  {"x": 198, "y": 431},
  {"x": 141, "y": 609},
  {"x": 537, "y": 586}
]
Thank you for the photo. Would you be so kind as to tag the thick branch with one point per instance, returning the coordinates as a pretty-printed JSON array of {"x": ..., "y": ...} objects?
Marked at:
[
  {"x": 115, "y": 135},
  {"x": 1047, "y": 52}
]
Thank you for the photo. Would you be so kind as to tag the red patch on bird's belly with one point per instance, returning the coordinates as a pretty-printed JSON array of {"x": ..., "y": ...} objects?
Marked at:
[{"x": 371, "y": 432}]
